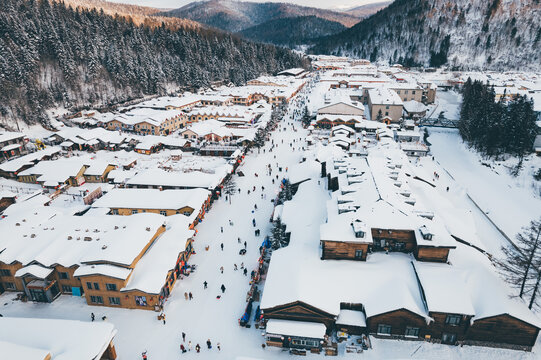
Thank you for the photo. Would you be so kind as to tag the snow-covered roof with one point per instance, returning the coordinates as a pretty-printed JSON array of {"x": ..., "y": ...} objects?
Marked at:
[
  {"x": 351, "y": 318},
  {"x": 151, "y": 272},
  {"x": 15, "y": 351},
  {"x": 191, "y": 179},
  {"x": 116, "y": 272},
  {"x": 413, "y": 106},
  {"x": 384, "y": 96},
  {"x": 153, "y": 199},
  {"x": 29, "y": 159},
  {"x": 48, "y": 237},
  {"x": 34, "y": 270},
  {"x": 8, "y": 136},
  {"x": 296, "y": 328},
  {"x": 444, "y": 289},
  {"x": 63, "y": 339}
]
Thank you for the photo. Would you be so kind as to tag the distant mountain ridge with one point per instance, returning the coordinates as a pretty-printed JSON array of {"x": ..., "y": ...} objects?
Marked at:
[
  {"x": 368, "y": 9},
  {"x": 464, "y": 34},
  {"x": 292, "y": 31},
  {"x": 235, "y": 16}
]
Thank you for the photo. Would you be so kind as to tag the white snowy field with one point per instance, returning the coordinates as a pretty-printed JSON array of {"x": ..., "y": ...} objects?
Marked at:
[
  {"x": 448, "y": 102},
  {"x": 511, "y": 202},
  {"x": 206, "y": 317}
]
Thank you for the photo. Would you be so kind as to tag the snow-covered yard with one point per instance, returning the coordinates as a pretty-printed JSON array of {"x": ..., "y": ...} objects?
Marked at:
[{"x": 511, "y": 202}]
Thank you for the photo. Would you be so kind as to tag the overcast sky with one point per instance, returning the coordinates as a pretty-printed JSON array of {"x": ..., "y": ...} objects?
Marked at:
[{"x": 327, "y": 4}]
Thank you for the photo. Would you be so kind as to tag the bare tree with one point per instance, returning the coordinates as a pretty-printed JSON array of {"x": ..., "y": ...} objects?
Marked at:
[{"x": 522, "y": 264}]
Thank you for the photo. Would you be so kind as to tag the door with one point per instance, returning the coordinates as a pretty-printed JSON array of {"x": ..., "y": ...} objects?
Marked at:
[
  {"x": 38, "y": 295},
  {"x": 358, "y": 254}
]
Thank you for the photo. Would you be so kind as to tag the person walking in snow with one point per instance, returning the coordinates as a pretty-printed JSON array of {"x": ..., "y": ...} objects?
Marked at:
[
  {"x": 144, "y": 355},
  {"x": 222, "y": 269},
  {"x": 221, "y": 229},
  {"x": 182, "y": 348},
  {"x": 253, "y": 222},
  {"x": 242, "y": 265},
  {"x": 186, "y": 295},
  {"x": 209, "y": 344},
  {"x": 238, "y": 239},
  {"x": 190, "y": 345},
  {"x": 245, "y": 245},
  {"x": 92, "y": 316},
  {"x": 235, "y": 268},
  {"x": 245, "y": 272},
  {"x": 197, "y": 348},
  {"x": 190, "y": 295},
  {"x": 205, "y": 284},
  {"x": 163, "y": 318},
  {"x": 222, "y": 246},
  {"x": 223, "y": 288},
  {"x": 183, "y": 336}
]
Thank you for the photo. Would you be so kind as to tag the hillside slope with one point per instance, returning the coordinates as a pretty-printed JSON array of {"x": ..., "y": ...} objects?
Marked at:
[
  {"x": 368, "y": 9},
  {"x": 467, "y": 34},
  {"x": 236, "y": 16},
  {"x": 292, "y": 31},
  {"x": 53, "y": 56}
]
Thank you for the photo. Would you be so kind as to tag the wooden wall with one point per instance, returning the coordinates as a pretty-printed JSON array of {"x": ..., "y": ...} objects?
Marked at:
[
  {"x": 11, "y": 279},
  {"x": 432, "y": 254},
  {"x": 169, "y": 212},
  {"x": 405, "y": 236},
  {"x": 398, "y": 320},
  {"x": 438, "y": 326},
  {"x": 338, "y": 250},
  {"x": 103, "y": 292},
  {"x": 72, "y": 281},
  {"x": 503, "y": 329},
  {"x": 299, "y": 311}
]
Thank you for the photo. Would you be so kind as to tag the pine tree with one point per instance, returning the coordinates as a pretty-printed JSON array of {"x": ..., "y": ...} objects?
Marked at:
[{"x": 522, "y": 264}]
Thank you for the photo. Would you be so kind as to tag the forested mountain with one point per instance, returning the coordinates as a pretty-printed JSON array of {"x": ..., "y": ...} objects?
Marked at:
[
  {"x": 467, "y": 34},
  {"x": 148, "y": 16},
  {"x": 292, "y": 31},
  {"x": 236, "y": 16},
  {"x": 368, "y": 9},
  {"x": 52, "y": 55}
]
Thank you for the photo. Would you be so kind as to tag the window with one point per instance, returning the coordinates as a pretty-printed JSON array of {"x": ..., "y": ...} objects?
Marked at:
[
  {"x": 448, "y": 338},
  {"x": 96, "y": 286},
  {"x": 386, "y": 106},
  {"x": 63, "y": 275},
  {"x": 114, "y": 211},
  {"x": 114, "y": 301},
  {"x": 5, "y": 272},
  {"x": 384, "y": 329},
  {"x": 305, "y": 342},
  {"x": 452, "y": 319},
  {"x": 412, "y": 331},
  {"x": 134, "y": 211},
  {"x": 110, "y": 287},
  {"x": 405, "y": 91},
  {"x": 386, "y": 113},
  {"x": 398, "y": 91},
  {"x": 141, "y": 300},
  {"x": 413, "y": 92},
  {"x": 89, "y": 285},
  {"x": 9, "y": 286},
  {"x": 358, "y": 254},
  {"x": 96, "y": 299},
  {"x": 163, "y": 212},
  {"x": 66, "y": 289}
]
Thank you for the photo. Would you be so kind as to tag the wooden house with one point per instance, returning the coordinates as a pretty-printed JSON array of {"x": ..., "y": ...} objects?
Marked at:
[
  {"x": 504, "y": 330},
  {"x": 295, "y": 334},
  {"x": 400, "y": 323},
  {"x": 97, "y": 172}
]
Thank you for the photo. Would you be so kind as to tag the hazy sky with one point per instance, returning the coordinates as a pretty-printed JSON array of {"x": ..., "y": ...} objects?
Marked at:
[{"x": 327, "y": 4}]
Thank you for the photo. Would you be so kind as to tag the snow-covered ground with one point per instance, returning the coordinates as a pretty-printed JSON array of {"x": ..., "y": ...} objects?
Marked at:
[
  {"x": 206, "y": 317},
  {"x": 511, "y": 202},
  {"x": 448, "y": 102}
]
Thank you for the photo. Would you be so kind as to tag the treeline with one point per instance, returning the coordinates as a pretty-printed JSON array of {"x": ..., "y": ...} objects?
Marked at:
[
  {"x": 496, "y": 127},
  {"x": 54, "y": 56}
]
